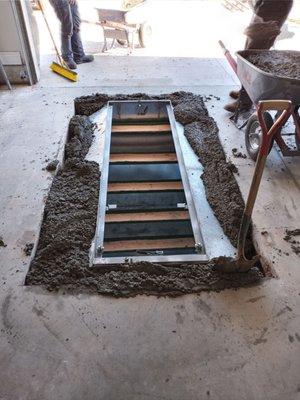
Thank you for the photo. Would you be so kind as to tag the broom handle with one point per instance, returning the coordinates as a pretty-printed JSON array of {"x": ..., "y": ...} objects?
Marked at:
[{"x": 50, "y": 33}]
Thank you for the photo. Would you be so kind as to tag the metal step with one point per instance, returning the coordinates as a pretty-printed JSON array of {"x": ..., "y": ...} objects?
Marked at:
[
  {"x": 148, "y": 230},
  {"x": 146, "y": 201},
  {"x": 143, "y": 172}
]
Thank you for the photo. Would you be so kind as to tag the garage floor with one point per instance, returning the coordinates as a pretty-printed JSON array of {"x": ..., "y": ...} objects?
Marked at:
[{"x": 239, "y": 345}]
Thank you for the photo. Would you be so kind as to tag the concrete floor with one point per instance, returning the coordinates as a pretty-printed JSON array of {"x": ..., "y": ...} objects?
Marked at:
[{"x": 233, "y": 345}]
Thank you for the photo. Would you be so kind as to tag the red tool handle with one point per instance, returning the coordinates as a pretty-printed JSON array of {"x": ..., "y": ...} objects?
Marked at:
[
  {"x": 285, "y": 106},
  {"x": 228, "y": 55}
]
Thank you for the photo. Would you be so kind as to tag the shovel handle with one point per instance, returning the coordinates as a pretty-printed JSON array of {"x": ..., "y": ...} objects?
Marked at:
[
  {"x": 247, "y": 214},
  {"x": 228, "y": 55},
  {"x": 280, "y": 105},
  {"x": 222, "y": 45}
]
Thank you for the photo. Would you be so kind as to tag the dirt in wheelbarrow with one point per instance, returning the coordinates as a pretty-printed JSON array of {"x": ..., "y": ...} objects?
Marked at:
[
  {"x": 281, "y": 63},
  {"x": 62, "y": 256}
]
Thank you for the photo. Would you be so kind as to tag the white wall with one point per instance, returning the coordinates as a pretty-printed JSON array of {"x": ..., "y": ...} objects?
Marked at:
[{"x": 16, "y": 50}]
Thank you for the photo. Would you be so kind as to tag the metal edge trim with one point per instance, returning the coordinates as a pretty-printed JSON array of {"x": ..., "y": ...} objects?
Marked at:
[
  {"x": 99, "y": 235},
  {"x": 185, "y": 181},
  {"x": 112, "y": 102},
  {"x": 175, "y": 259}
]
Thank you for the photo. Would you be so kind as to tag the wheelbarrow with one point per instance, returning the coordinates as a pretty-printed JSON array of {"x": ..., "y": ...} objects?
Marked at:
[
  {"x": 124, "y": 26},
  {"x": 259, "y": 87}
]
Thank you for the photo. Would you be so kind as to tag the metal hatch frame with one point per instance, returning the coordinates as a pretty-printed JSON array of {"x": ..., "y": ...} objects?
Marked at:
[{"x": 97, "y": 247}]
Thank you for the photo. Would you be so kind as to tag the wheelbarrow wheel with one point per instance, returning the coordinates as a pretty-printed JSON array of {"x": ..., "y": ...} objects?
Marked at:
[
  {"x": 253, "y": 134},
  {"x": 145, "y": 34}
]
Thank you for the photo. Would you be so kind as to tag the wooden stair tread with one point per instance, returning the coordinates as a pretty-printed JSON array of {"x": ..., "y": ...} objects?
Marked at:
[
  {"x": 141, "y": 128},
  {"x": 142, "y": 186},
  {"x": 147, "y": 216},
  {"x": 143, "y": 157},
  {"x": 149, "y": 244}
]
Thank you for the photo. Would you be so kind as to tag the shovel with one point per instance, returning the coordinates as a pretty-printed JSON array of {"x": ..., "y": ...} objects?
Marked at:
[{"x": 241, "y": 263}]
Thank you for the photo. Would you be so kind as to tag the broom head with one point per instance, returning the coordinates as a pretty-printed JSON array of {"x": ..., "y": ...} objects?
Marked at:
[{"x": 63, "y": 71}]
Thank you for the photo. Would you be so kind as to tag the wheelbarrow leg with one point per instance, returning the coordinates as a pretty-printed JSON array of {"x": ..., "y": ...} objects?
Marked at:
[
  {"x": 104, "y": 48},
  {"x": 112, "y": 44}
]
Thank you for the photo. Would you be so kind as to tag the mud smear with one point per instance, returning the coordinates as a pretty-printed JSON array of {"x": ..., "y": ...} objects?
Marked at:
[
  {"x": 52, "y": 165},
  {"x": 290, "y": 237},
  {"x": 69, "y": 222},
  {"x": 28, "y": 249},
  {"x": 238, "y": 154},
  {"x": 281, "y": 63}
]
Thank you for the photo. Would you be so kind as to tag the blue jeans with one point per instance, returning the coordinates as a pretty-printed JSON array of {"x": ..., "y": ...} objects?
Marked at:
[{"x": 68, "y": 15}]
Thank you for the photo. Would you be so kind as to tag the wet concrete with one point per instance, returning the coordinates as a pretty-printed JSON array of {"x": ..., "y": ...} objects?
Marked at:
[
  {"x": 221, "y": 187},
  {"x": 293, "y": 237},
  {"x": 69, "y": 220},
  {"x": 52, "y": 165},
  {"x": 62, "y": 256}
]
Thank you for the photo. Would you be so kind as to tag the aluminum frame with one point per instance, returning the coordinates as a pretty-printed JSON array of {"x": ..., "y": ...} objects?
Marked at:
[
  {"x": 97, "y": 247},
  {"x": 99, "y": 237}
]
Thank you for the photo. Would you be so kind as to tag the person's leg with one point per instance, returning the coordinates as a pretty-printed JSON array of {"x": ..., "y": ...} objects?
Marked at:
[
  {"x": 77, "y": 47},
  {"x": 269, "y": 17},
  {"x": 63, "y": 12},
  {"x": 76, "y": 42}
]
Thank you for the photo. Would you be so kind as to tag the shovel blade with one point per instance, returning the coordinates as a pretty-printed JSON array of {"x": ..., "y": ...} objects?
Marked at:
[{"x": 230, "y": 265}]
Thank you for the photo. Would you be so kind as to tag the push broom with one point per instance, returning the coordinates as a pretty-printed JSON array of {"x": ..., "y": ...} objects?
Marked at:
[{"x": 59, "y": 67}]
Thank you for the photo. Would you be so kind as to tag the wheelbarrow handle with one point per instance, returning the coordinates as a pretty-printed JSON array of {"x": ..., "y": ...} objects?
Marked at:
[
  {"x": 278, "y": 105},
  {"x": 284, "y": 107}
]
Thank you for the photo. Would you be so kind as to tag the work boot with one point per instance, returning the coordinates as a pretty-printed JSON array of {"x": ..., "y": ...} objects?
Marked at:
[
  {"x": 232, "y": 107},
  {"x": 71, "y": 63},
  {"x": 234, "y": 94},
  {"x": 84, "y": 59}
]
